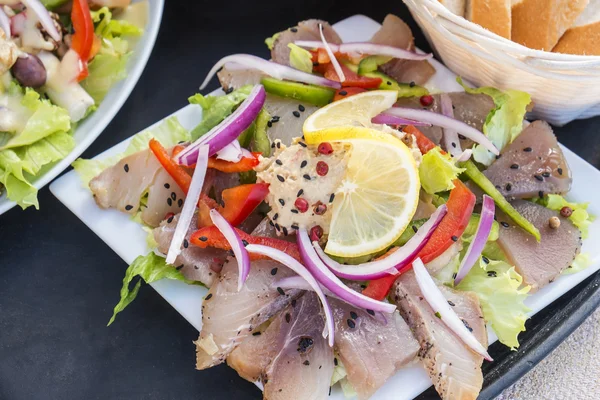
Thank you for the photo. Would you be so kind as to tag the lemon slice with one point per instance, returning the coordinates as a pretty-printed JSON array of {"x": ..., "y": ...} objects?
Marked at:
[
  {"x": 378, "y": 195},
  {"x": 356, "y": 110}
]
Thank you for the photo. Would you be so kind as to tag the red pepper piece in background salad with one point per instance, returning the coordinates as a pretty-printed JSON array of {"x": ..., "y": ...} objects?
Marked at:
[
  {"x": 211, "y": 237},
  {"x": 239, "y": 201},
  {"x": 344, "y": 92},
  {"x": 352, "y": 79},
  {"x": 83, "y": 38}
]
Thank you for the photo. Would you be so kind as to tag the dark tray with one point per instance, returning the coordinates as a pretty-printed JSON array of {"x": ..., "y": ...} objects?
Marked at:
[{"x": 59, "y": 282}]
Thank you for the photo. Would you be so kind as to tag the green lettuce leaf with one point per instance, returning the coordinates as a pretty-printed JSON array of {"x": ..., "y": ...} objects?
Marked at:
[
  {"x": 169, "y": 132},
  {"x": 216, "y": 108},
  {"x": 150, "y": 268},
  {"x": 580, "y": 217},
  {"x": 300, "y": 58},
  {"x": 437, "y": 171},
  {"x": 581, "y": 262},
  {"x": 21, "y": 192},
  {"x": 340, "y": 375},
  {"x": 504, "y": 123},
  {"x": 45, "y": 120},
  {"x": 499, "y": 289},
  {"x": 271, "y": 40}
]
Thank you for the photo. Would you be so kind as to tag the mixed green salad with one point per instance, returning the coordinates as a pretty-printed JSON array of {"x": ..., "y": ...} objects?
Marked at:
[{"x": 58, "y": 60}]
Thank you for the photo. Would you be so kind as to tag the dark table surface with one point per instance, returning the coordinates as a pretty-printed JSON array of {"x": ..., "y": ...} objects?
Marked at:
[{"x": 59, "y": 282}]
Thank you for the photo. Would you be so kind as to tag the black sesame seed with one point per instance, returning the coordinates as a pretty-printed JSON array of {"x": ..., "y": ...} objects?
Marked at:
[
  {"x": 342, "y": 93},
  {"x": 331, "y": 197},
  {"x": 294, "y": 211},
  {"x": 278, "y": 145},
  {"x": 280, "y": 178},
  {"x": 285, "y": 231},
  {"x": 453, "y": 144},
  {"x": 353, "y": 315},
  {"x": 270, "y": 124},
  {"x": 412, "y": 84},
  {"x": 467, "y": 325},
  {"x": 126, "y": 167},
  {"x": 504, "y": 224},
  {"x": 174, "y": 196},
  {"x": 208, "y": 296},
  {"x": 228, "y": 90},
  {"x": 295, "y": 226},
  {"x": 351, "y": 323},
  {"x": 275, "y": 118},
  {"x": 335, "y": 361},
  {"x": 541, "y": 194},
  {"x": 282, "y": 202},
  {"x": 278, "y": 162},
  {"x": 277, "y": 227},
  {"x": 169, "y": 201},
  {"x": 560, "y": 171},
  {"x": 256, "y": 334},
  {"x": 275, "y": 216},
  {"x": 274, "y": 271},
  {"x": 389, "y": 83},
  {"x": 288, "y": 318},
  {"x": 371, "y": 312},
  {"x": 280, "y": 291},
  {"x": 508, "y": 187},
  {"x": 294, "y": 30},
  {"x": 527, "y": 149},
  {"x": 514, "y": 166},
  {"x": 546, "y": 174},
  {"x": 539, "y": 178},
  {"x": 203, "y": 238},
  {"x": 454, "y": 238},
  {"x": 128, "y": 207},
  {"x": 306, "y": 362},
  {"x": 171, "y": 220},
  {"x": 180, "y": 202},
  {"x": 296, "y": 114},
  {"x": 271, "y": 223},
  {"x": 179, "y": 267},
  {"x": 492, "y": 274},
  {"x": 303, "y": 164},
  {"x": 302, "y": 144},
  {"x": 185, "y": 243},
  {"x": 167, "y": 186},
  {"x": 306, "y": 176},
  {"x": 301, "y": 108},
  {"x": 245, "y": 242},
  {"x": 300, "y": 192},
  {"x": 485, "y": 259},
  {"x": 273, "y": 145},
  {"x": 451, "y": 303}
]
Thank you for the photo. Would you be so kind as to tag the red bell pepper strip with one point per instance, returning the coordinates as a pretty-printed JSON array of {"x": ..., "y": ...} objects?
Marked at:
[
  {"x": 352, "y": 79},
  {"x": 460, "y": 207},
  {"x": 210, "y": 236},
  {"x": 83, "y": 38},
  {"x": 244, "y": 165},
  {"x": 177, "y": 172},
  {"x": 423, "y": 142},
  {"x": 239, "y": 201},
  {"x": 347, "y": 92}
]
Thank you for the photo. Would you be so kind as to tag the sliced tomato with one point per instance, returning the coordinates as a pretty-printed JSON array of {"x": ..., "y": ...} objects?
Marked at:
[
  {"x": 239, "y": 202},
  {"x": 211, "y": 237},
  {"x": 352, "y": 79},
  {"x": 347, "y": 92},
  {"x": 83, "y": 38},
  {"x": 460, "y": 207}
]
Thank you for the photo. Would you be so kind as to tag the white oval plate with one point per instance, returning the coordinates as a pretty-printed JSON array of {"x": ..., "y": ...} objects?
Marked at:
[
  {"x": 128, "y": 239},
  {"x": 92, "y": 127}
]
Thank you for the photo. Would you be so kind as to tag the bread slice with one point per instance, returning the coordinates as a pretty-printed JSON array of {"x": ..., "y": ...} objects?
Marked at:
[
  {"x": 584, "y": 36},
  {"x": 493, "y": 15},
  {"x": 539, "y": 24},
  {"x": 455, "y": 6}
]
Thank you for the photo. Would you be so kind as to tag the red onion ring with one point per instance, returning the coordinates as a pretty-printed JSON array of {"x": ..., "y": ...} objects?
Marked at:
[
  {"x": 450, "y": 137},
  {"x": 388, "y": 119},
  {"x": 189, "y": 206},
  {"x": 298, "y": 268},
  {"x": 439, "y": 304},
  {"x": 272, "y": 69},
  {"x": 444, "y": 122},
  {"x": 479, "y": 240},
  {"x": 228, "y": 130},
  {"x": 366, "y": 48},
  {"x": 36, "y": 7},
  {"x": 394, "y": 262},
  {"x": 241, "y": 254},
  {"x": 330, "y": 281}
]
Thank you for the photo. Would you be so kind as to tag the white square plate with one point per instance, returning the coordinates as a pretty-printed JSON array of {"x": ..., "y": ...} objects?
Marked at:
[
  {"x": 88, "y": 130},
  {"x": 128, "y": 240}
]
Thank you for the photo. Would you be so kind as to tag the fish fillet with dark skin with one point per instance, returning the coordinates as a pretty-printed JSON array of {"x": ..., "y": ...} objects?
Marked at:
[{"x": 454, "y": 369}]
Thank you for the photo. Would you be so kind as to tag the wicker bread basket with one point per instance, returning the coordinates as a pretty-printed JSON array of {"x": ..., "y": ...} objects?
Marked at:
[{"x": 564, "y": 87}]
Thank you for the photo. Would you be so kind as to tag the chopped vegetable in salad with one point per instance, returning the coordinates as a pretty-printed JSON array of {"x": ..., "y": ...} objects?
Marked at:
[{"x": 346, "y": 220}]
